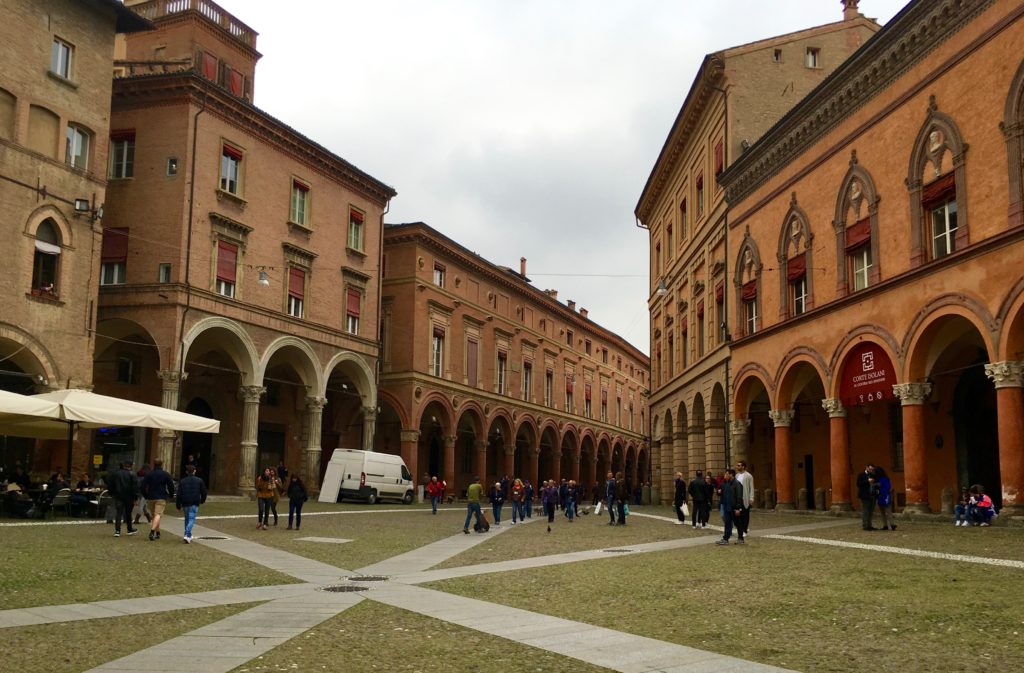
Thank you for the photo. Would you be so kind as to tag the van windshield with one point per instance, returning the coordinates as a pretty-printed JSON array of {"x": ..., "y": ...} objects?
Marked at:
[{"x": 406, "y": 475}]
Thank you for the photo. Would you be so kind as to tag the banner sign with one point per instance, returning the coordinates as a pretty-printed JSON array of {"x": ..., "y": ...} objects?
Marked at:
[{"x": 868, "y": 376}]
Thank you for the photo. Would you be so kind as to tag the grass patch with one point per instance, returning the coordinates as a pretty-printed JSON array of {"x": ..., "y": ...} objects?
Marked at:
[
  {"x": 54, "y": 565},
  {"x": 375, "y": 637},
  {"x": 790, "y": 604},
  {"x": 69, "y": 647}
]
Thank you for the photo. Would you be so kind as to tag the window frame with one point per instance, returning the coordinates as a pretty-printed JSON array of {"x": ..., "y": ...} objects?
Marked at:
[
  {"x": 501, "y": 373},
  {"x": 860, "y": 253},
  {"x": 948, "y": 234},
  {"x": 230, "y": 173},
  {"x": 122, "y": 156},
  {"x": 527, "y": 384},
  {"x": 295, "y": 302},
  {"x": 62, "y": 52},
  {"x": 356, "y": 230},
  {"x": 440, "y": 274},
  {"x": 299, "y": 202},
  {"x": 115, "y": 269},
  {"x": 77, "y": 144},
  {"x": 437, "y": 352},
  {"x": 812, "y": 58}
]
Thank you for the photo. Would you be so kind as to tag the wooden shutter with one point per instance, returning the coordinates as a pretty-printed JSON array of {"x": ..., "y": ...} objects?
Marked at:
[
  {"x": 796, "y": 267},
  {"x": 471, "y": 358},
  {"x": 296, "y": 282},
  {"x": 227, "y": 258},
  {"x": 115, "y": 244},
  {"x": 352, "y": 308}
]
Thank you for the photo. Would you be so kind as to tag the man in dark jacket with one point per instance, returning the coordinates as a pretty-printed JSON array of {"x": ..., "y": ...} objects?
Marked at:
[
  {"x": 621, "y": 497},
  {"x": 191, "y": 494},
  {"x": 867, "y": 499},
  {"x": 125, "y": 489},
  {"x": 609, "y": 497},
  {"x": 697, "y": 494},
  {"x": 680, "y": 498},
  {"x": 158, "y": 487},
  {"x": 731, "y": 504}
]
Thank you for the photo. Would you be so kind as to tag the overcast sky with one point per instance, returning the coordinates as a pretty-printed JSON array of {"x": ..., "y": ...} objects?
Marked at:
[{"x": 516, "y": 127}]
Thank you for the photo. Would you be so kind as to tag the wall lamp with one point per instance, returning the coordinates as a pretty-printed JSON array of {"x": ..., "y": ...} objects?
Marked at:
[
  {"x": 84, "y": 207},
  {"x": 662, "y": 290}
]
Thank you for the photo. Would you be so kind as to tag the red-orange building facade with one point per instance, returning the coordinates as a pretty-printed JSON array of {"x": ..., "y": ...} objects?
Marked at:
[
  {"x": 876, "y": 237},
  {"x": 484, "y": 374}
]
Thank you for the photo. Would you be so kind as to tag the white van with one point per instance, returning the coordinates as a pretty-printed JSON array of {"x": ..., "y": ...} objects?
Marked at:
[{"x": 366, "y": 475}]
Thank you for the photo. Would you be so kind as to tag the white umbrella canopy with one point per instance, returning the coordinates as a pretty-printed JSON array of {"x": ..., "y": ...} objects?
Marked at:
[
  {"x": 29, "y": 416},
  {"x": 90, "y": 410}
]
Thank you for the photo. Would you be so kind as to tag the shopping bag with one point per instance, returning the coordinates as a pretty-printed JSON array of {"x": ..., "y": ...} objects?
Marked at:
[
  {"x": 625, "y": 509},
  {"x": 684, "y": 509},
  {"x": 597, "y": 510}
]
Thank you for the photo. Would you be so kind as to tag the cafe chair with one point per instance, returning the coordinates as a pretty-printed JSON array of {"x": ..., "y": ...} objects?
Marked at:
[
  {"x": 101, "y": 502},
  {"x": 62, "y": 499}
]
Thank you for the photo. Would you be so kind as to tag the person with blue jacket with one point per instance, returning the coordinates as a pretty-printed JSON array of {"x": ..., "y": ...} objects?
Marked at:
[
  {"x": 191, "y": 494},
  {"x": 884, "y": 499},
  {"x": 730, "y": 504}
]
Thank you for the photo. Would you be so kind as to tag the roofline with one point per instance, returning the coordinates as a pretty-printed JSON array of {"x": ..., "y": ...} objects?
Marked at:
[{"x": 127, "y": 20}]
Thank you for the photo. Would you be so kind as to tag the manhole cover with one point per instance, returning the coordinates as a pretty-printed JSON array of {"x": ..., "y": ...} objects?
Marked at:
[
  {"x": 369, "y": 578},
  {"x": 617, "y": 551},
  {"x": 212, "y": 537},
  {"x": 342, "y": 588}
]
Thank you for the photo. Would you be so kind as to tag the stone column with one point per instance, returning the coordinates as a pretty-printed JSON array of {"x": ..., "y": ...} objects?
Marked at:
[
  {"x": 593, "y": 476},
  {"x": 1009, "y": 379},
  {"x": 575, "y": 466},
  {"x": 915, "y": 464},
  {"x": 250, "y": 396},
  {"x": 698, "y": 459},
  {"x": 556, "y": 466},
  {"x": 510, "y": 461},
  {"x": 369, "y": 427},
  {"x": 839, "y": 458},
  {"x": 480, "y": 460},
  {"x": 782, "y": 418},
  {"x": 533, "y": 468},
  {"x": 655, "y": 470},
  {"x": 449, "y": 465},
  {"x": 409, "y": 441},
  {"x": 740, "y": 433},
  {"x": 668, "y": 449},
  {"x": 170, "y": 387},
  {"x": 680, "y": 457},
  {"x": 311, "y": 448},
  {"x": 714, "y": 445}
]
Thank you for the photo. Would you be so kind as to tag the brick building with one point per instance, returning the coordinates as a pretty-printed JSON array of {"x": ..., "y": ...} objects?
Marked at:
[
  {"x": 240, "y": 261},
  {"x": 737, "y": 95},
  {"x": 482, "y": 373},
  {"x": 54, "y": 121},
  {"x": 876, "y": 234}
]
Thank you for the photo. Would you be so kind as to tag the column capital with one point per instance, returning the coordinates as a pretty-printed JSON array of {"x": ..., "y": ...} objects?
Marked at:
[
  {"x": 171, "y": 377},
  {"x": 510, "y": 450},
  {"x": 480, "y": 445},
  {"x": 535, "y": 451},
  {"x": 655, "y": 444},
  {"x": 409, "y": 436},
  {"x": 781, "y": 418},
  {"x": 251, "y": 394},
  {"x": 449, "y": 441},
  {"x": 740, "y": 426},
  {"x": 1006, "y": 374},
  {"x": 370, "y": 413},
  {"x": 315, "y": 403},
  {"x": 833, "y": 406},
  {"x": 912, "y": 394}
]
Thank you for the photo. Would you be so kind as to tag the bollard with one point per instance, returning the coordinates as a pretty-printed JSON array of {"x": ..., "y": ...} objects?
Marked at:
[
  {"x": 801, "y": 499},
  {"x": 947, "y": 501},
  {"x": 769, "y": 498},
  {"x": 819, "y": 499}
]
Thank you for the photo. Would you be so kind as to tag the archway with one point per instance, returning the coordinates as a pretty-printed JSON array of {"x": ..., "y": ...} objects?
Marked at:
[
  {"x": 22, "y": 372},
  {"x": 588, "y": 464},
  {"x": 525, "y": 458},
  {"x": 467, "y": 433},
  {"x": 435, "y": 426},
  {"x": 696, "y": 435},
  {"x": 569, "y": 468},
  {"x": 604, "y": 464},
  {"x": 756, "y": 446},
  {"x": 197, "y": 446},
  {"x": 548, "y": 467},
  {"x": 500, "y": 450},
  {"x": 808, "y": 464}
]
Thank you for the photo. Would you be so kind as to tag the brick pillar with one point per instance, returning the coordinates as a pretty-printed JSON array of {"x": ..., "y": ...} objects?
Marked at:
[
  {"x": 698, "y": 459},
  {"x": 667, "y": 456},
  {"x": 714, "y": 445},
  {"x": 1009, "y": 379},
  {"x": 170, "y": 387},
  {"x": 311, "y": 445},
  {"x": 575, "y": 458},
  {"x": 510, "y": 461},
  {"x": 409, "y": 448},
  {"x": 739, "y": 431},
  {"x": 556, "y": 465},
  {"x": 449, "y": 465},
  {"x": 915, "y": 464},
  {"x": 655, "y": 470},
  {"x": 250, "y": 396},
  {"x": 680, "y": 456},
  {"x": 782, "y": 418},
  {"x": 369, "y": 427},
  {"x": 533, "y": 467},
  {"x": 839, "y": 458},
  {"x": 593, "y": 474},
  {"x": 480, "y": 459}
]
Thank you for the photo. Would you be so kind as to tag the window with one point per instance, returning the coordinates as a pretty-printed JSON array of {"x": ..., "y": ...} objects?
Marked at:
[
  {"x": 172, "y": 166},
  {"x": 227, "y": 259},
  {"x": 700, "y": 195},
  {"x": 670, "y": 243},
  {"x": 127, "y": 372},
  {"x": 45, "y": 263},
  {"x": 122, "y": 154},
  {"x": 860, "y": 262},
  {"x": 296, "y": 291},
  {"x": 657, "y": 259},
  {"x": 798, "y": 295},
  {"x": 472, "y": 356},
  {"x": 682, "y": 220},
  {"x": 604, "y": 405},
  {"x": 700, "y": 329},
  {"x": 164, "y": 273},
  {"x": 684, "y": 351},
  {"x": 353, "y": 300},
  {"x": 439, "y": 273},
  {"x": 588, "y": 409},
  {"x": 230, "y": 163},
  {"x": 671, "y": 356},
  {"x": 60, "y": 58},
  {"x": 113, "y": 256},
  {"x": 300, "y": 202},
  {"x": 720, "y": 310},
  {"x": 618, "y": 411},
  {"x": 549, "y": 387},
  {"x": 527, "y": 380},
  {"x": 630, "y": 416},
  {"x": 777, "y": 55},
  {"x": 587, "y": 346},
  {"x": 938, "y": 199},
  {"x": 719, "y": 157},
  {"x": 604, "y": 355},
  {"x": 569, "y": 338},
  {"x": 502, "y": 371},
  {"x": 618, "y": 363},
  {"x": 437, "y": 352},
  {"x": 750, "y": 315},
  {"x": 812, "y": 60},
  {"x": 569, "y": 406},
  {"x": 77, "y": 147},
  {"x": 355, "y": 230}
]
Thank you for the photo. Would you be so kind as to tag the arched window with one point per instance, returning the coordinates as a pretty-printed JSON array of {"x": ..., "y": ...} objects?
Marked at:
[
  {"x": 856, "y": 229},
  {"x": 46, "y": 261},
  {"x": 747, "y": 281},
  {"x": 794, "y": 258},
  {"x": 938, "y": 189},
  {"x": 1013, "y": 130}
]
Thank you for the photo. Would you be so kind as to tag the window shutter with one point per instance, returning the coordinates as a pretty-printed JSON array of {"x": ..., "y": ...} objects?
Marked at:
[
  {"x": 586, "y": 391},
  {"x": 720, "y": 292},
  {"x": 355, "y": 216},
  {"x": 296, "y": 282},
  {"x": 796, "y": 267},
  {"x": 233, "y": 152},
  {"x": 115, "y": 244},
  {"x": 749, "y": 291},
  {"x": 858, "y": 234},
  {"x": 700, "y": 309},
  {"x": 604, "y": 395},
  {"x": 719, "y": 158},
  {"x": 438, "y": 331},
  {"x": 236, "y": 82},
  {"x": 471, "y": 358},
  {"x": 227, "y": 257},
  {"x": 939, "y": 191},
  {"x": 300, "y": 185},
  {"x": 353, "y": 303},
  {"x": 122, "y": 134},
  {"x": 568, "y": 383},
  {"x": 209, "y": 66}
]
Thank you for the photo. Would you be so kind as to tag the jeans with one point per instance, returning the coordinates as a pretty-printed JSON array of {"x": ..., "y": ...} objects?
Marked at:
[
  {"x": 867, "y": 510},
  {"x": 295, "y": 508},
  {"x": 549, "y": 509},
  {"x": 743, "y": 522},
  {"x": 472, "y": 508},
  {"x": 265, "y": 504},
  {"x": 728, "y": 518},
  {"x": 496, "y": 510},
  {"x": 621, "y": 504},
  {"x": 190, "y": 518},
  {"x": 433, "y": 503},
  {"x": 570, "y": 508},
  {"x": 518, "y": 509},
  {"x": 888, "y": 517},
  {"x": 960, "y": 513},
  {"x": 529, "y": 509},
  {"x": 611, "y": 508},
  {"x": 124, "y": 511}
]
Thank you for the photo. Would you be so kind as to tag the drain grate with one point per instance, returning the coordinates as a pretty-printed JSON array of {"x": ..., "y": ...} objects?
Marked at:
[
  {"x": 342, "y": 588},
  {"x": 369, "y": 578},
  {"x": 617, "y": 551},
  {"x": 212, "y": 537}
]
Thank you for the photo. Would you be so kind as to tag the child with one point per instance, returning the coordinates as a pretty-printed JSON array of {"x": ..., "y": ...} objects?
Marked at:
[{"x": 983, "y": 508}]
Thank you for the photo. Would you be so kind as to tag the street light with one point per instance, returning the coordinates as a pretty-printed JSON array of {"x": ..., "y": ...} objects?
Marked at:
[
  {"x": 264, "y": 280},
  {"x": 662, "y": 290}
]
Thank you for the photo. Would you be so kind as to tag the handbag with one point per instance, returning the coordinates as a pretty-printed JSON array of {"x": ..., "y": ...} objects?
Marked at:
[
  {"x": 597, "y": 510},
  {"x": 625, "y": 509},
  {"x": 684, "y": 509}
]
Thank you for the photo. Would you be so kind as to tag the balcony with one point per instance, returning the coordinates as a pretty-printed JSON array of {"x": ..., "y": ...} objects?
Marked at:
[{"x": 154, "y": 10}]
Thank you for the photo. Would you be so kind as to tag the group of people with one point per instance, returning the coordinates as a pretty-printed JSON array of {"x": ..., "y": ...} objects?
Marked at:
[
  {"x": 874, "y": 489},
  {"x": 975, "y": 507},
  {"x": 269, "y": 485},
  {"x": 150, "y": 490},
  {"x": 734, "y": 491}
]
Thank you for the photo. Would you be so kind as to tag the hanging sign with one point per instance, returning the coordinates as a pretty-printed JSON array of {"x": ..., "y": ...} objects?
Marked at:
[{"x": 868, "y": 376}]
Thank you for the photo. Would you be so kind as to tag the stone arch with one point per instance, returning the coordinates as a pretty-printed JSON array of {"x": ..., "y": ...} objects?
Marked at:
[
  {"x": 49, "y": 212},
  {"x": 300, "y": 356},
  {"x": 786, "y": 379},
  {"x": 441, "y": 404},
  {"x": 475, "y": 413},
  {"x": 527, "y": 421},
  {"x": 29, "y": 355},
  {"x": 398, "y": 407},
  {"x": 752, "y": 371},
  {"x": 857, "y": 197},
  {"x": 926, "y": 337},
  {"x": 874, "y": 333},
  {"x": 1012, "y": 127},
  {"x": 503, "y": 414},
  {"x": 239, "y": 346},
  {"x": 1011, "y": 317},
  {"x": 696, "y": 455},
  {"x": 355, "y": 368},
  {"x": 747, "y": 283},
  {"x": 939, "y": 138},
  {"x": 795, "y": 256}
]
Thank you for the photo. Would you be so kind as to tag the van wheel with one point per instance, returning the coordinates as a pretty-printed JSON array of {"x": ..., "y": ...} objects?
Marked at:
[
  {"x": 407, "y": 500},
  {"x": 372, "y": 498}
]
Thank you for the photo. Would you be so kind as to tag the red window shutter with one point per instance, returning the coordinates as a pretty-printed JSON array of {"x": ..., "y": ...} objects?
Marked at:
[
  {"x": 233, "y": 152},
  {"x": 700, "y": 181},
  {"x": 682, "y": 208},
  {"x": 210, "y": 67},
  {"x": 352, "y": 308},
  {"x": 122, "y": 134},
  {"x": 586, "y": 391},
  {"x": 115, "y": 244},
  {"x": 296, "y": 282},
  {"x": 797, "y": 267},
  {"x": 858, "y": 234},
  {"x": 227, "y": 258},
  {"x": 720, "y": 292},
  {"x": 355, "y": 216},
  {"x": 471, "y": 357},
  {"x": 939, "y": 191},
  {"x": 550, "y": 371},
  {"x": 604, "y": 395},
  {"x": 438, "y": 331},
  {"x": 700, "y": 309},
  {"x": 749, "y": 291},
  {"x": 568, "y": 383},
  {"x": 719, "y": 158},
  {"x": 438, "y": 266},
  {"x": 236, "y": 83}
]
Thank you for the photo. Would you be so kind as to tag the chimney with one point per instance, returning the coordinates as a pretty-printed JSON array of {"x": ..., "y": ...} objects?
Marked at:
[
  {"x": 583, "y": 313},
  {"x": 551, "y": 293},
  {"x": 850, "y": 11},
  {"x": 522, "y": 266},
  {"x": 571, "y": 304}
]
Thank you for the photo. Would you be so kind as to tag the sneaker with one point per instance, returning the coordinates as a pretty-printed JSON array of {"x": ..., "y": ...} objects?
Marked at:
[
  {"x": 185, "y": 540},
  {"x": 741, "y": 541},
  {"x": 117, "y": 533},
  {"x": 259, "y": 525},
  {"x": 984, "y": 524},
  {"x": 722, "y": 542},
  {"x": 133, "y": 531},
  {"x": 152, "y": 535},
  {"x": 466, "y": 531},
  {"x": 158, "y": 535},
  {"x": 264, "y": 526},
  {"x": 703, "y": 525}
]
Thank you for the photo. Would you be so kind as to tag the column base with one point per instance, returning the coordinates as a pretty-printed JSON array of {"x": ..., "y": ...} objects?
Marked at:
[
  {"x": 840, "y": 507},
  {"x": 1015, "y": 510},
  {"x": 917, "y": 508},
  {"x": 248, "y": 493},
  {"x": 784, "y": 506}
]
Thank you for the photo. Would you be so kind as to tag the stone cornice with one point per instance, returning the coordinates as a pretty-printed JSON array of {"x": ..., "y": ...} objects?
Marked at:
[
  {"x": 913, "y": 34},
  {"x": 187, "y": 87}
]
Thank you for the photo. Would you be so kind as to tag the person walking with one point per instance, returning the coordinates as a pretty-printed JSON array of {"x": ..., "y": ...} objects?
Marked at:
[
  {"x": 158, "y": 487},
  {"x": 434, "y": 493},
  {"x": 746, "y": 480},
  {"x": 549, "y": 498},
  {"x": 865, "y": 483},
  {"x": 518, "y": 496},
  {"x": 696, "y": 491},
  {"x": 297, "y": 496},
  {"x": 528, "y": 498},
  {"x": 125, "y": 489},
  {"x": 473, "y": 495},
  {"x": 191, "y": 494},
  {"x": 884, "y": 499},
  {"x": 142, "y": 510},
  {"x": 497, "y": 500},
  {"x": 609, "y": 497},
  {"x": 621, "y": 497},
  {"x": 266, "y": 485},
  {"x": 731, "y": 505},
  {"x": 570, "y": 501},
  {"x": 680, "y": 498}
]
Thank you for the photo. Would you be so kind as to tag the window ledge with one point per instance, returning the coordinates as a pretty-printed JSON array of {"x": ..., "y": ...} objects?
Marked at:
[
  {"x": 353, "y": 251},
  {"x": 234, "y": 198},
  {"x": 127, "y": 178},
  {"x": 62, "y": 80},
  {"x": 301, "y": 228},
  {"x": 44, "y": 297}
]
